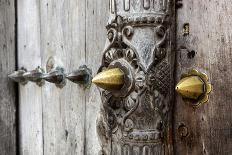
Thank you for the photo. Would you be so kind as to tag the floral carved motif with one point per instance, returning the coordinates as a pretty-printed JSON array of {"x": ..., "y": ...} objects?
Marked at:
[{"x": 137, "y": 115}]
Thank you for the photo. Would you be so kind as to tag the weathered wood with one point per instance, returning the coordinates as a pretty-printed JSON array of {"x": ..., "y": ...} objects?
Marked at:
[
  {"x": 135, "y": 119},
  {"x": 30, "y": 105},
  {"x": 97, "y": 12},
  {"x": 8, "y": 89},
  {"x": 63, "y": 39},
  {"x": 62, "y": 121},
  {"x": 209, "y": 126}
]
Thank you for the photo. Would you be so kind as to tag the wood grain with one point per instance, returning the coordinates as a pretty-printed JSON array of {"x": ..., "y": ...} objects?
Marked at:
[
  {"x": 209, "y": 126},
  {"x": 29, "y": 56},
  {"x": 8, "y": 89},
  {"x": 63, "y": 39},
  {"x": 59, "y": 31},
  {"x": 97, "y": 13}
]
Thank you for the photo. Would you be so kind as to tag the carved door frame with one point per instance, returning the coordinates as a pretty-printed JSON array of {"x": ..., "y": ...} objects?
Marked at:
[{"x": 137, "y": 119}]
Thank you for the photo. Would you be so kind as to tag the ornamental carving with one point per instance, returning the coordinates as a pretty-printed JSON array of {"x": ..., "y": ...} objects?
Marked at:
[{"x": 135, "y": 120}]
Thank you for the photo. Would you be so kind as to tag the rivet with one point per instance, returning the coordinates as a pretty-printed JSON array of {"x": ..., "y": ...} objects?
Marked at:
[
  {"x": 186, "y": 29},
  {"x": 183, "y": 131}
]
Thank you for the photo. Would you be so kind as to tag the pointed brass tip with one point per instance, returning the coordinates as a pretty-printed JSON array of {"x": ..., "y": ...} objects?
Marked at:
[
  {"x": 110, "y": 79},
  {"x": 190, "y": 87},
  {"x": 194, "y": 88}
]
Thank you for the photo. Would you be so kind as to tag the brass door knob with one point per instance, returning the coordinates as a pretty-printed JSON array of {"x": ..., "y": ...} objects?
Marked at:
[
  {"x": 194, "y": 88},
  {"x": 110, "y": 79},
  {"x": 117, "y": 78}
]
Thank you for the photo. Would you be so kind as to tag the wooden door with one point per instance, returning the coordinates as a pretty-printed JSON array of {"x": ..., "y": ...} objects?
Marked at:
[
  {"x": 69, "y": 33},
  {"x": 8, "y": 90},
  {"x": 207, "y": 48}
]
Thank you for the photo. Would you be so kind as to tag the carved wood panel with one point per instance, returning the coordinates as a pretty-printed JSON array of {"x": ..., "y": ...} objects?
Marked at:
[{"x": 136, "y": 119}]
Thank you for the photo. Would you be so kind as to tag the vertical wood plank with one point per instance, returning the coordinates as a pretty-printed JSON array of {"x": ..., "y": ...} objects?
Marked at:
[
  {"x": 210, "y": 38},
  {"x": 7, "y": 88},
  {"x": 30, "y": 107},
  {"x": 97, "y": 13},
  {"x": 63, "y": 38}
]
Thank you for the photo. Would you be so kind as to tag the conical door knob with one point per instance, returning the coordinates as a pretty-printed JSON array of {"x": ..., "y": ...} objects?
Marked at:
[
  {"x": 194, "y": 88},
  {"x": 110, "y": 79},
  {"x": 190, "y": 87}
]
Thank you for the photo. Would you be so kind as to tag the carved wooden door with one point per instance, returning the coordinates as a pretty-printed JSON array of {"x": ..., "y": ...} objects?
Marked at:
[
  {"x": 137, "y": 51},
  {"x": 143, "y": 116},
  {"x": 135, "y": 117}
]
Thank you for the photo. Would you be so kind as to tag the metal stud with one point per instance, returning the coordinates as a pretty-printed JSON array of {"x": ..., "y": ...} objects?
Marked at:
[
  {"x": 56, "y": 76},
  {"x": 35, "y": 76},
  {"x": 17, "y": 76},
  {"x": 82, "y": 76},
  {"x": 194, "y": 88}
]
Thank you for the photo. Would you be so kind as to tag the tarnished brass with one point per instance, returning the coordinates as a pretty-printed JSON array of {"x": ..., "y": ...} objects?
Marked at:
[
  {"x": 194, "y": 88},
  {"x": 110, "y": 79},
  {"x": 190, "y": 87}
]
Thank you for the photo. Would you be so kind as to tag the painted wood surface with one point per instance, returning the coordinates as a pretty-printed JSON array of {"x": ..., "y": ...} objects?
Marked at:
[
  {"x": 7, "y": 88},
  {"x": 209, "y": 126}
]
